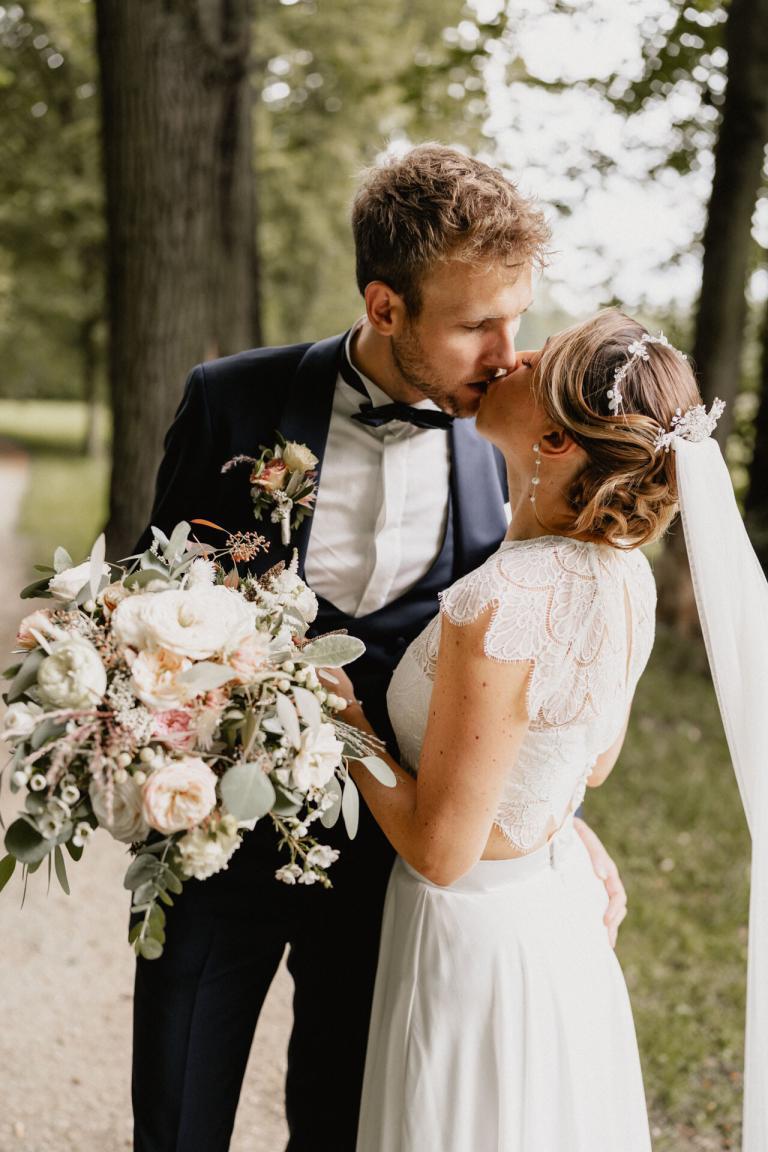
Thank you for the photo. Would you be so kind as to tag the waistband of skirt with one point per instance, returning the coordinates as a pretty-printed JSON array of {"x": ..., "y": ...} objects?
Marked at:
[{"x": 489, "y": 874}]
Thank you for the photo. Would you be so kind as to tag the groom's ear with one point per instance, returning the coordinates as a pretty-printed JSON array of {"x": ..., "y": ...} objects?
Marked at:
[{"x": 385, "y": 308}]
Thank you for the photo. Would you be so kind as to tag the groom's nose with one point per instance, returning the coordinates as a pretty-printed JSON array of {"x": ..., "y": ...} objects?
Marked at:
[{"x": 501, "y": 352}]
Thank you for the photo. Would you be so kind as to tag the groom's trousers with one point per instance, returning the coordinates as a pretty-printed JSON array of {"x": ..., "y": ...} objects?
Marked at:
[{"x": 196, "y": 1007}]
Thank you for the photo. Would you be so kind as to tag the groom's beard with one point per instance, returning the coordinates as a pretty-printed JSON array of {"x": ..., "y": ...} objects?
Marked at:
[{"x": 417, "y": 372}]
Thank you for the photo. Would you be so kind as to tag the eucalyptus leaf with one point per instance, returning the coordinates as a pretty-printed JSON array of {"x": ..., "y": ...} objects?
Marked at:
[
  {"x": 205, "y": 676},
  {"x": 288, "y": 717},
  {"x": 149, "y": 562},
  {"x": 135, "y": 932},
  {"x": 75, "y": 850},
  {"x": 62, "y": 560},
  {"x": 61, "y": 868},
  {"x": 247, "y": 791},
  {"x": 25, "y": 843},
  {"x": 7, "y": 868},
  {"x": 36, "y": 590},
  {"x": 98, "y": 554},
  {"x": 159, "y": 536},
  {"x": 350, "y": 807},
  {"x": 146, "y": 576},
  {"x": 284, "y": 804},
  {"x": 380, "y": 770},
  {"x": 141, "y": 869},
  {"x": 175, "y": 545},
  {"x": 46, "y": 730},
  {"x": 26, "y": 676},
  {"x": 332, "y": 651},
  {"x": 149, "y": 948},
  {"x": 172, "y": 882},
  {"x": 331, "y": 815},
  {"x": 309, "y": 708}
]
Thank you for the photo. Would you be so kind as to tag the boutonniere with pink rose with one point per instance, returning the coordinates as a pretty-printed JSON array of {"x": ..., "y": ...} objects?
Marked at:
[{"x": 283, "y": 483}]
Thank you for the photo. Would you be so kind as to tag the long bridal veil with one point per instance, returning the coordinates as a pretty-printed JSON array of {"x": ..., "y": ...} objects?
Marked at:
[{"x": 732, "y": 598}]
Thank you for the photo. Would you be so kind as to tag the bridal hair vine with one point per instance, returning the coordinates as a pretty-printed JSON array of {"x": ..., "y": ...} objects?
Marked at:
[
  {"x": 637, "y": 350},
  {"x": 695, "y": 424}
]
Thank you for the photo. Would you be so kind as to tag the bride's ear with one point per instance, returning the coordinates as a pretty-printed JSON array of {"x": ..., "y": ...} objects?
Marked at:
[{"x": 558, "y": 444}]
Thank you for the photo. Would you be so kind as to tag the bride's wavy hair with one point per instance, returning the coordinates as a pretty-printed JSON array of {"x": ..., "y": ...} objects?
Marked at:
[{"x": 627, "y": 493}]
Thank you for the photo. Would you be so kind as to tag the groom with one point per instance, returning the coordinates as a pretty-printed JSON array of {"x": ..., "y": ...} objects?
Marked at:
[{"x": 409, "y": 499}]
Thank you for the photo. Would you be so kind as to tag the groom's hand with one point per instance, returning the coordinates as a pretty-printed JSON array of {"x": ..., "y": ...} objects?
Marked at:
[{"x": 605, "y": 868}]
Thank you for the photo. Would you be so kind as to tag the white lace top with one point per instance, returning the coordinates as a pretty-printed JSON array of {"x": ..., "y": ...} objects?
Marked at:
[{"x": 561, "y": 604}]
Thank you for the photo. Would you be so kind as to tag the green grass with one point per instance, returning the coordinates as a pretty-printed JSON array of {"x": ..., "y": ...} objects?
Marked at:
[
  {"x": 66, "y": 498},
  {"x": 671, "y": 816}
]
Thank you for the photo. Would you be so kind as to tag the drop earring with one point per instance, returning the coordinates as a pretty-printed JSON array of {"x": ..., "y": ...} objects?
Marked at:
[{"x": 535, "y": 479}]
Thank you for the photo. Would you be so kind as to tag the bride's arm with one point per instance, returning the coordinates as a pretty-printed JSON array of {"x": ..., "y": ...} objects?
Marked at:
[{"x": 440, "y": 822}]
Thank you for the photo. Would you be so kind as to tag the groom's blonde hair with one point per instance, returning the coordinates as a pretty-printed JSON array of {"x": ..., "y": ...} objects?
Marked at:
[
  {"x": 627, "y": 493},
  {"x": 433, "y": 204}
]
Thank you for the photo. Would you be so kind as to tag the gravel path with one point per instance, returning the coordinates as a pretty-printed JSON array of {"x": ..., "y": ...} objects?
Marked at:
[{"x": 66, "y": 976}]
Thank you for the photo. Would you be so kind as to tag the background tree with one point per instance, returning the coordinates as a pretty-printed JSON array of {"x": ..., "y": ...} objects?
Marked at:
[{"x": 176, "y": 120}]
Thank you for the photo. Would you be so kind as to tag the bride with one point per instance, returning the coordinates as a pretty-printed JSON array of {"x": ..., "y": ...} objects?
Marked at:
[{"x": 501, "y": 1019}]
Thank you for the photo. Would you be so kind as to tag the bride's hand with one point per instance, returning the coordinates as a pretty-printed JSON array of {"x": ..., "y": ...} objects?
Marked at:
[{"x": 607, "y": 871}]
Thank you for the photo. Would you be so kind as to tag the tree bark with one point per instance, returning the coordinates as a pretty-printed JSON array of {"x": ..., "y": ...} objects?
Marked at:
[
  {"x": 177, "y": 149},
  {"x": 756, "y": 504},
  {"x": 722, "y": 309}
]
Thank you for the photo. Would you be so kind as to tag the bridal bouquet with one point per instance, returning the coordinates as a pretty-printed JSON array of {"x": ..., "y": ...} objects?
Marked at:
[{"x": 174, "y": 703}]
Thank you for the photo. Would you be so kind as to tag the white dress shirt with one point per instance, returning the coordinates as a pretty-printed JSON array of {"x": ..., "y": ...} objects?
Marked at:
[{"x": 382, "y": 504}]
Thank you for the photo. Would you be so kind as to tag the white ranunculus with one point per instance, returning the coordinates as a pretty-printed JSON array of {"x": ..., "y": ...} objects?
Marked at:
[
  {"x": 179, "y": 795},
  {"x": 66, "y": 585},
  {"x": 73, "y": 676},
  {"x": 156, "y": 679},
  {"x": 298, "y": 457},
  {"x": 20, "y": 721},
  {"x": 118, "y": 808},
  {"x": 204, "y": 852},
  {"x": 317, "y": 758},
  {"x": 197, "y": 623},
  {"x": 291, "y": 590}
]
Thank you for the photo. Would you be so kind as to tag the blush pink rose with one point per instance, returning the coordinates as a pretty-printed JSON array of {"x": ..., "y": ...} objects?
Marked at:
[
  {"x": 175, "y": 727},
  {"x": 272, "y": 477},
  {"x": 250, "y": 657}
]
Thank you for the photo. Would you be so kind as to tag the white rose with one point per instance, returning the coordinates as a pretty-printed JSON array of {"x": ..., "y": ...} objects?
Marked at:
[
  {"x": 317, "y": 758},
  {"x": 156, "y": 679},
  {"x": 118, "y": 808},
  {"x": 207, "y": 851},
  {"x": 298, "y": 457},
  {"x": 73, "y": 676},
  {"x": 291, "y": 590},
  {"x": 197, "y": 623},
  {"x": 66, "y": 585},
  {"x": 179, "y": 795},
  {"x": 20, "y": 721}
]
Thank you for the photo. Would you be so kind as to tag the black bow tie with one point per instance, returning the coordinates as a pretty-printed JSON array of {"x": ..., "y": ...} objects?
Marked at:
[
  {"x": 376, "y": 417},
  {"x": 420, "y": 417}
]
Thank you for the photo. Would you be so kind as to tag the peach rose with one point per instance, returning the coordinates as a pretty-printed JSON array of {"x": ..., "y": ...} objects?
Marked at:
[
  {"x": 41, "y": 622},
  {"x": 272, "y": 477},
  {"x": 250, "y": 657},
  {"x": 155, "y": 678},
  {"x": 179, "y": 795},
  {"x": 175, "y": 728}
]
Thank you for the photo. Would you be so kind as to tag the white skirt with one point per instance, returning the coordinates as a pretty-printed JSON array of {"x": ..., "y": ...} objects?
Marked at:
[{"x": 501, "y": 1020}]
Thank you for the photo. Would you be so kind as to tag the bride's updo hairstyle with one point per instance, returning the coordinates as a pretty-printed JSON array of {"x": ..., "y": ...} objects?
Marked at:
[{"x": 627, "y": 494}]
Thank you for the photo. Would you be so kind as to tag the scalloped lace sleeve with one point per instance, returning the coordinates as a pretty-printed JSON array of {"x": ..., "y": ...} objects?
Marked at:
[{"x": 552, "y": 606}]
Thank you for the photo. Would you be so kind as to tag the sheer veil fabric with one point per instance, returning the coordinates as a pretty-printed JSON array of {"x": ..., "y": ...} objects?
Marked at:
[{"x": 732, "y": 599}]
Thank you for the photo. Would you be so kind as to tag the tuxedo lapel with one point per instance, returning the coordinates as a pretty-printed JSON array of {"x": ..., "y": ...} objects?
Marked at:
[
  {"x": 479, "y": 522},
  {"x": 306, "y": 419}
]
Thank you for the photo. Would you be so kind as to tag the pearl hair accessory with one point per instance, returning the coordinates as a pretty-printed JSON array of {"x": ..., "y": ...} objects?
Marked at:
[
  {"x": 695, "y": 424},
  {"x": 637, "y": 350},
  {"x": 535, "y": 479}
]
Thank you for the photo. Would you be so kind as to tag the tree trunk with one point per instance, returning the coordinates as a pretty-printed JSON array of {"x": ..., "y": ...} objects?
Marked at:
[
  {"x": 89, "y": 358},
  {"x": 181, "y": 247},
  {"x": 756, "y": 506},
  {"x": 721, "y": 314}
]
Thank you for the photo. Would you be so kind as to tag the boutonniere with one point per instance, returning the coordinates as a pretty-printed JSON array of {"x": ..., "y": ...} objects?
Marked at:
[{"x": 283, "y": 483}]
